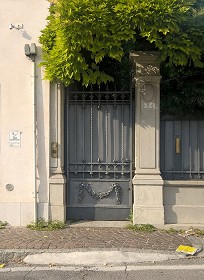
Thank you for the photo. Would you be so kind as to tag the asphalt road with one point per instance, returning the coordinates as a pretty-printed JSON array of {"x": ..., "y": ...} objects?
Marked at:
[
  {"x": 192, "y": 269},
  {"x": 159, "y": 273}
]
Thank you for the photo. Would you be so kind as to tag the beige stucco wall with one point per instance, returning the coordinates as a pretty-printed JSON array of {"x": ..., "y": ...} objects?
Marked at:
[
  {"x": 184, "y": 202},
  {"x": 16, "y": 112}
]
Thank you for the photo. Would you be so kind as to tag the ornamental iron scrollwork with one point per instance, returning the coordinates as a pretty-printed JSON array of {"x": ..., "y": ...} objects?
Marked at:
[{"x": 100, "y": 195}]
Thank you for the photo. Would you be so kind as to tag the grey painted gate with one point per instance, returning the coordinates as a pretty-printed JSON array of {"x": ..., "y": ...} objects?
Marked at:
[
  {"x": 98, "y": 155},
  {"x": 182, "y": 149}
]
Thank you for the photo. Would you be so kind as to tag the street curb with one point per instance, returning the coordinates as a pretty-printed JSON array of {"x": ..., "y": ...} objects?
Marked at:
[{"x": 198, "y": 243}]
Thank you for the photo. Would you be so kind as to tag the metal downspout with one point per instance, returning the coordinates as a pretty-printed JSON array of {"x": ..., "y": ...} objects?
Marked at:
[
  {"x": 31, "y": 52},
  {"x": 34, "y": 142}
]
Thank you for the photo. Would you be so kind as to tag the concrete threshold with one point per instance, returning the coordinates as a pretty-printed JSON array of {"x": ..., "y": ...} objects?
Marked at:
[
  {"x": 82, "y": 223},
  {"x": 123, "y": 224}
]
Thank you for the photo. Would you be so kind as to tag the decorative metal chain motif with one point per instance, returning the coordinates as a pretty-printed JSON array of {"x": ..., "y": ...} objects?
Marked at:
[{"x": 100, "y": 195}]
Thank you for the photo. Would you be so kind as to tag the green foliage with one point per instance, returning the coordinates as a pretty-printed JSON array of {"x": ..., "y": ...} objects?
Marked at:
[
  {"x": 3, "y": 224},
  {"x": 182, "y": 92},
  {"x": 182, "y": 87},
  {"x": 84, "y": 38},
  {"x": 142, "y": 227},
  {"x": 151, "y": 228},
  {"x": 43, "y": 225},
  {"x": 131, "y": 217},
  {"x": 171, "y": 231},
  {"x": 198, "y": 231},
  {"x": 191, "y": 231}
]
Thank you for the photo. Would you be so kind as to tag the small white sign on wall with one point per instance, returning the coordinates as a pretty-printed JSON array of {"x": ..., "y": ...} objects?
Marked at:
[{"x": 15, "y": 138}]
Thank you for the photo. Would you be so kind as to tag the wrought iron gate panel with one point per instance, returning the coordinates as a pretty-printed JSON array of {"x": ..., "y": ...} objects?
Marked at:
[
  {"x": 182, "y": 149},
  {"x": 99, "y": 154}
]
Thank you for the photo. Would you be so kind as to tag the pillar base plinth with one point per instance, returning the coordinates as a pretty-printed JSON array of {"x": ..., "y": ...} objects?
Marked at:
[
  {"x": 148, "y": 200},
  {"x": 57, "y": 205}
]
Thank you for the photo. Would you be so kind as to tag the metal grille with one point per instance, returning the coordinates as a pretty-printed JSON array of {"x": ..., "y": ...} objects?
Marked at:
[
  {"x": 98, "y": 154},
  {"x": 182, "y": 149}
]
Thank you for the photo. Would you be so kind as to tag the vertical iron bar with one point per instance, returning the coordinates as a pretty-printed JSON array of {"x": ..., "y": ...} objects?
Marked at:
[
  {"x": 114, "y": 135},
  {"x": 91, "y": 142},
  {"x": 198, "y": 148},
  {"x": 130, "y": 145},
  {"x": 106, "y": 172},
  {"x": 165, "y": 121},
  {"x": 67, "y": 135},
  {"x": 99, "y": 138},
  {"x": 83, "y": 133},
  {"x": 182, "y": 149},
  {"x": 190, "y": 151},
  {"x": 122, "y": 135},
  {"x": 75, "y": 133},
  {"x": 174, "y": 154},
  {"x": 67, "y": 148}
]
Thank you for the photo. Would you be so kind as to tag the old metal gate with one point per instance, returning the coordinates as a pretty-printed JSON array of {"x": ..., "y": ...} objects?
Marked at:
[
  {"x": 182, "y": 149},
  {"x": 98, "y": 154}
]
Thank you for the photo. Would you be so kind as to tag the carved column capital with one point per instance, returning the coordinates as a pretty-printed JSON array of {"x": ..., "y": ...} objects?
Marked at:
[{"x": 145, "y": 63}]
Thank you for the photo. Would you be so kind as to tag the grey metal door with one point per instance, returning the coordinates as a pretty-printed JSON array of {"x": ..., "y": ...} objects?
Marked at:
[{"x": 99, "y": 155}]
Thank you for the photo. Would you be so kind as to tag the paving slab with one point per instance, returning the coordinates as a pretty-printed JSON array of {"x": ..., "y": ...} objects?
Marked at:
[{"x": 88, "y": 237}]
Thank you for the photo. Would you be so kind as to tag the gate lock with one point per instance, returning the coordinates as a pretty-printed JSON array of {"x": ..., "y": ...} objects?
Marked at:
[{"x": 54, "y": 149}]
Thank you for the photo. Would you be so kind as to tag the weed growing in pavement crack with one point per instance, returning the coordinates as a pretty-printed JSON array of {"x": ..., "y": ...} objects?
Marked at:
[
  {"x": 41, "y": 224},
  {"x": 139, "y": 227},
  {"x": 142, "y": 227},
  {"x": 151, "y": 228},
  {"x": 130, "y": 218},
  {"x": 172, "y": 231},
  {"x": 3, "y": 224}
]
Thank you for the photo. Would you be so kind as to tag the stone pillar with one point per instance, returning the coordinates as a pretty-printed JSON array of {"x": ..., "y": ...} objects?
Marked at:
[
  {"x": 148, "y": 185},
  {"x": 57, "y": 180}
]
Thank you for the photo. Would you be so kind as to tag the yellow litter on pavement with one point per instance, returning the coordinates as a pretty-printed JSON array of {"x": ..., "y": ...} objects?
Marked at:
[
  {"x": 186, "y": 250},
  {"x": 2, "y": 265}
]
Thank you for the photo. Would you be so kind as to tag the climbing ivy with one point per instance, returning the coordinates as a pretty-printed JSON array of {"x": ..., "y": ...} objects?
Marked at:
[{"x": 83, "y": 37}]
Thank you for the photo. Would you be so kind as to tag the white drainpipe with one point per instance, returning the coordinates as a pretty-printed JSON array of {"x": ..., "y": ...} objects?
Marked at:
[
  {"x": 31, "y": 52},
  {"x": 34, "y": 143}
]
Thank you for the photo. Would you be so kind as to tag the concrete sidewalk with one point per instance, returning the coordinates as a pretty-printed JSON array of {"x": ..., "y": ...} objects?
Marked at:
[
  {"x": 18, "y": 242},
  {"x": 99, "y": 258},
  {"x": 88, "y": 237}
]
